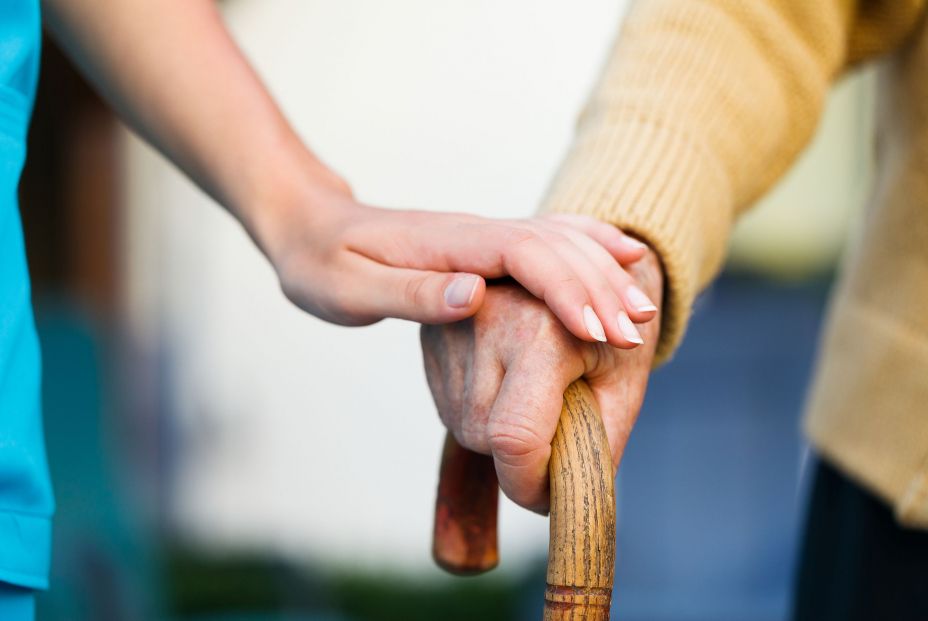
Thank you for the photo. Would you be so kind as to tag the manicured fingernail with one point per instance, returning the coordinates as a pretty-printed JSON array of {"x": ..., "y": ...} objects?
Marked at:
[
  {"x": 460, "y": 293},
  {"x": 628, "y": 329},
  {"x": 593, "y": 325},
  {"x": 634, "y": 243},
  {"x": 639, "y": 300}
]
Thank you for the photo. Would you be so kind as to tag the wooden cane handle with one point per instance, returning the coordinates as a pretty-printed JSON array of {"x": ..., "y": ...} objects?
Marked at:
[{"x": 581, "y": 555}]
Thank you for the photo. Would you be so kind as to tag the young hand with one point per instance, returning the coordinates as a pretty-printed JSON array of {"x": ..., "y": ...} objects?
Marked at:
[
  {"x": 354, "y": 264},
  {"x": 336, "y": 258}
]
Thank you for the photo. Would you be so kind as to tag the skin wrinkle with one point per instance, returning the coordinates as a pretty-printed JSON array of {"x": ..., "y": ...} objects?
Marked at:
[
  {"x": 478, "y": 397},
  {"x": 515, "y": 333}
]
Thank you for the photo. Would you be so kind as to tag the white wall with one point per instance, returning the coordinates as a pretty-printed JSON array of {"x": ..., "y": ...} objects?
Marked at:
[{"x": 299, "y": 436}]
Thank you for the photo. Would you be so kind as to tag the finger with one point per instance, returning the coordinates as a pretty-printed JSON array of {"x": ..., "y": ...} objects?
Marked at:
[
  {"x": 443, "y": 380},
  {"x": 619, "y": 383},
  {"x": 521, "y": 426},
  {"x": 620, "y": 331},
  {"x": 638, "y": 306},
  {"x": 485, "y": 376},
  {"x": 437, "y": 242},
  {"x": 624, "y": 248},
  {"x": 619, "y": 402},
  {"x": 417, "y": 295},
  {"x": 495, "y": 249},
  {"x": 544, "y": 273}
]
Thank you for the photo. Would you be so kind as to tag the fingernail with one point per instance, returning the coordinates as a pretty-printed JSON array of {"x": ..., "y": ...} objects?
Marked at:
[
  {"x": 593, "y": 324},
  {"x": 639, "y": 300},
  {"x": 631, "y": 241},
  {"x": 460, "y": 293},
  {"x": 628, "y": 329}
]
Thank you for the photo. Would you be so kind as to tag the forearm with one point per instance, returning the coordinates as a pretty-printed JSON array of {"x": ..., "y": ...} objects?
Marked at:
[
  {"x": 171, "y": 70},
  {"x": 701, "y": 108}
]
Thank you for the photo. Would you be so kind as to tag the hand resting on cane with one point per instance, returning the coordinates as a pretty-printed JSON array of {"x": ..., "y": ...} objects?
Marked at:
[{"x": 498, "y": 380}]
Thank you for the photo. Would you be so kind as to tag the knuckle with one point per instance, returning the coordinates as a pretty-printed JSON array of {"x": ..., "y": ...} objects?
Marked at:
[
  {"x": 474, "y": 416},
  {"x": 567, "y": 289},
  {"x": 514, "y": 442},
  {"x": 520, "y": 237},
  {"x": 449, "y": 412},
  {"x": 548, "y": 328},
  {"x": 414, "y": 292},
  {"x": 561, "y": 247},
  {"x": 473, "y": 437},
  {"x": 619, "y": 272},
  {"x": 596, "y": 361},
  {"x": 547, "y": 232}
]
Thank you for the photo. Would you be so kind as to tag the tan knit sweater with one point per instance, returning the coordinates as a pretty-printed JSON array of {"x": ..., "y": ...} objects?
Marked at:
[{"x": 702, "y": 106}]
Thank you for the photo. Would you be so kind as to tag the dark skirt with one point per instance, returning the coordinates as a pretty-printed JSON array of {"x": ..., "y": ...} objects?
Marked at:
[{"x": 857, "y": 563}]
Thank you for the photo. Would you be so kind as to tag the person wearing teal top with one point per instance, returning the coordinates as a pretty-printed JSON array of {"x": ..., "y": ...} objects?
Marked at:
[
  {"x": 26, "y": 503},
  {"x": 171, "y": 70}
]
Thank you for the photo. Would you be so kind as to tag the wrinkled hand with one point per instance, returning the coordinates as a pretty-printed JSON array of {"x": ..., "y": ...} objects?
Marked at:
[
  {"x": 354, "y": 264},
  {"x": 498, "y": 380}
]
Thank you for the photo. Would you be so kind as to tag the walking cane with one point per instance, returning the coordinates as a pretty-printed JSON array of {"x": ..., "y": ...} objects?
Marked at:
[{"x": 581, "y": 553}]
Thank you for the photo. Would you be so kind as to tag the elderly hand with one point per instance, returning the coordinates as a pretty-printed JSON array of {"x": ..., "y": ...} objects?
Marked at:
[{"x": 498, "y": 380}]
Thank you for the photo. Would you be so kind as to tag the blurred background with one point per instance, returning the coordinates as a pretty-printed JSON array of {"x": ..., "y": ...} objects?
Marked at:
[{"x": 219, "y": 455}]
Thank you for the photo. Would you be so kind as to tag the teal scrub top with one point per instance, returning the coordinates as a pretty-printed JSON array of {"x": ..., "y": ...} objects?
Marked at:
[{"x": 26, "y": 502}]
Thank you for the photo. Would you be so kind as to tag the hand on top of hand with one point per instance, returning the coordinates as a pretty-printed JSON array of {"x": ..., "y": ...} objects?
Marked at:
[
  {"x": 353, "y": 264},
  {"x": 498, "y": 381}
]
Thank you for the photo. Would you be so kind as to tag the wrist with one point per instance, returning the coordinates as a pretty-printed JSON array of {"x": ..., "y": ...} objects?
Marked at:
[{"x": 292, "y": 189}]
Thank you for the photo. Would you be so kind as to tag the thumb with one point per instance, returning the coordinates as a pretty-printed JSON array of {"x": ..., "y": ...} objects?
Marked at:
[{"x": 420, "y": 295}]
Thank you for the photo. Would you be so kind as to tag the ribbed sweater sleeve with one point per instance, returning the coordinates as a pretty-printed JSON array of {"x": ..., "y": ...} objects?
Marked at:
[{"x": 702, "y": 106}]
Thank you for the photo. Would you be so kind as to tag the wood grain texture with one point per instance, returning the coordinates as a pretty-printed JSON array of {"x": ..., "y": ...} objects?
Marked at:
[
  {"x": 581, "y": 554},
  {"x": 464, "y": 537}
]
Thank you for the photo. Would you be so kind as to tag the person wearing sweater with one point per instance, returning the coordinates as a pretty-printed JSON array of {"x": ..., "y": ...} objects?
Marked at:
[{"x": 701, "y": 108}]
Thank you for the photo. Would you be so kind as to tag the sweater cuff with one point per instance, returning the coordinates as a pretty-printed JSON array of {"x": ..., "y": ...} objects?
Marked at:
[{"x": 662, "y": 186}]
